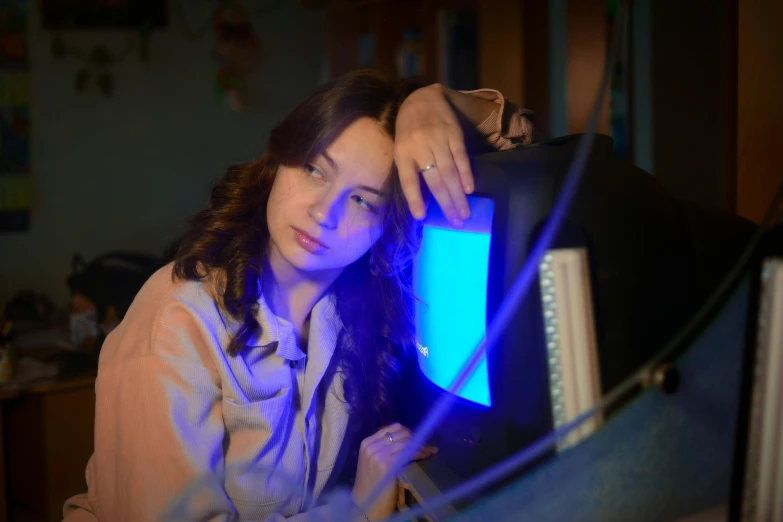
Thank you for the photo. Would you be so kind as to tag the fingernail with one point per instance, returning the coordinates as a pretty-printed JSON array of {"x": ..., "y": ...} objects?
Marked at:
[
  {"x": 464, "y": 212},
  {"x": 418, "y": 213},
  {"x": 457, "y": 222},
  {"x": 469, "y": 189}
]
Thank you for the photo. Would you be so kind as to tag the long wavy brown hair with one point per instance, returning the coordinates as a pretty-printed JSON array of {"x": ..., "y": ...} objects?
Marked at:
[{"x": 374, "y": 296}]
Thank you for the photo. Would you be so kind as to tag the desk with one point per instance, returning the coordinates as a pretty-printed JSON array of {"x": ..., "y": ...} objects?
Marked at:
[
  {"x": 424, "y": 480},
  {"x": 46, "y": 438}
]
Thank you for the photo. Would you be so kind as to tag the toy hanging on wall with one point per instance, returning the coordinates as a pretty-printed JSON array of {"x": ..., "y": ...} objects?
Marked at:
[{"x": 237, "y": 49}]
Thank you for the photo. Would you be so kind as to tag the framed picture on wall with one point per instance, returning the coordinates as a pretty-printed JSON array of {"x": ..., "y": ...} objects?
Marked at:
[
  {"x": 103, "y": 14},
  {"x": 15, "y": 168}
]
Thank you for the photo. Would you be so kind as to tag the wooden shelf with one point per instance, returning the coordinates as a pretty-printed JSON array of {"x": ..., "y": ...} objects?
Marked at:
[{"x": 386, "y": 21}]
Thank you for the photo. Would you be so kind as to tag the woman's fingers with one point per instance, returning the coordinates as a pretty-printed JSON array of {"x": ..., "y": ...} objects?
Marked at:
[
  {"x": 394, "y": 429},
  {"x": 440, "y": 191},
  {"x": 428, "y": 132},
  {"x": 379, "y": 448},
  {"x": 425, "y": 453},
  {"x": 399, "y": 436},
  {"x": 451, "y": 196},
  {"x": 397, "y": 431},
  {"x": 409, "y": 179},
  {"x": 380, "y": 435},
  {"x": 447, "y": 180}
]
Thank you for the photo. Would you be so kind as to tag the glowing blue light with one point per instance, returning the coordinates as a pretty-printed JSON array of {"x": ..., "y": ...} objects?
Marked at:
[{"x": 450, "y": 278}]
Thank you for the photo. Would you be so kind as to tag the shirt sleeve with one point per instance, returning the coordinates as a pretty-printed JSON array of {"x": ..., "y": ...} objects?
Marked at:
[
  {"x": 158, "y": 430},
  {"x": 159, "y": 436},
  {"x": 507, "y": 128}
]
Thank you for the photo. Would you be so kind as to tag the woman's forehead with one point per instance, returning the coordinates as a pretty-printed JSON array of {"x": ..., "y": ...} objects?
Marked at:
[{"x": 362, "y": 152}]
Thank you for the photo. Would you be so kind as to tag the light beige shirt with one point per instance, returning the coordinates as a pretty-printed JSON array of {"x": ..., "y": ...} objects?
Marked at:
[
  {"x": 181, "y": 425},
  {"x": 175, "y": 412}
]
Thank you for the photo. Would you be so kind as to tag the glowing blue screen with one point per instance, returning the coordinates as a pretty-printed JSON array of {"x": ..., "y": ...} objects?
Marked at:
[{"x": 450, "y": 278}]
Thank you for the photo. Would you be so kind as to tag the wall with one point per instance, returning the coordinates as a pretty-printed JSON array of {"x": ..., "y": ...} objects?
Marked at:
[
  {"x": 760, "y": 106},
  {"x": 514, "y": 54},
  {"x": 691, "y": 104},
  {"x": 126, "y": 172},
  {"x": 641, "y": 85},
  {"x": 558, "y": 99},
  {"x": 501, "y": 26},
  {"x": 586, "y": 44},
  {"x": 681, "y": 88}
]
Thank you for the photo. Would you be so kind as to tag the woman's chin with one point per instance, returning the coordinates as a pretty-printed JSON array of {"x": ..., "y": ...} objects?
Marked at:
[
  {"x": 302, "y": 261},
  {"x": 314, "y": 266}
]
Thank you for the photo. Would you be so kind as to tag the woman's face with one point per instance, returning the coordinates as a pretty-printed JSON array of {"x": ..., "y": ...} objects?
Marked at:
[{"x": 324, "y": 216}]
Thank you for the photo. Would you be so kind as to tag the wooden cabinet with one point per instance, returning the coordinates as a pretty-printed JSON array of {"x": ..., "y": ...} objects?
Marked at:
[
  {"x": 371, "y": 33},
  {"x": 510, "y": 39},
  {"x": 48, "y": 438}
]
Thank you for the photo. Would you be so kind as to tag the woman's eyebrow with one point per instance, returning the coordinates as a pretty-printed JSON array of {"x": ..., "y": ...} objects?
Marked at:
[
  {"x": 333, "y": 164},
  {"x": 369, "y": 189}
]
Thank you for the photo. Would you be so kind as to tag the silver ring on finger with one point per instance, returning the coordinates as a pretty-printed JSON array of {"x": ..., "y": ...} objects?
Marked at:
[
  {"x": 389, "y": 436},
  {"x": 428, "y": 167}
]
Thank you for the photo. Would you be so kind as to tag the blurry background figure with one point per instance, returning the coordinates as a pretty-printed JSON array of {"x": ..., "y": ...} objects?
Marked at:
[
  {"x": 102, "y": 291},
  {"x": 29, "y": 307}
]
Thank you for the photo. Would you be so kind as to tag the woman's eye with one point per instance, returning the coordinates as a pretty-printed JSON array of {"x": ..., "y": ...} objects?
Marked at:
[
  {"x": 313, "y": 171},
  {"x": 363, "y": 203}
]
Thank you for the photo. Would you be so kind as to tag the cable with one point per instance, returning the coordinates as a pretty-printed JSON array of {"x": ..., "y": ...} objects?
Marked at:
[{"x": 526, "y": 276}]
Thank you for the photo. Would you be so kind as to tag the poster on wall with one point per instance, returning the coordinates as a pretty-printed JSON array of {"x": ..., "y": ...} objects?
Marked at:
[{"x": 15, "y": 179}]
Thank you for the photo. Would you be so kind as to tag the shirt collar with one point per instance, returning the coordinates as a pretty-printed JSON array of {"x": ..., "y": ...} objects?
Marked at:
[{"x": 325, "y": 327}]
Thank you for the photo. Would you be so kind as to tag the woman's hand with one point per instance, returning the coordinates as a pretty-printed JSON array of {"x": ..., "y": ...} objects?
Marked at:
[
  {"x": 428, "y": 133},
  {"x": 376, "y": 455}
]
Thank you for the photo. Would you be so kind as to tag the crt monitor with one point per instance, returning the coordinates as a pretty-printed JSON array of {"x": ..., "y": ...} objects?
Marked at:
[{"x": 651, "y": 261}]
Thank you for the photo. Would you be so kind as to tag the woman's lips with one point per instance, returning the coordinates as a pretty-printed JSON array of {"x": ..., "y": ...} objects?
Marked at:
[{"x": 309, "y": 243}]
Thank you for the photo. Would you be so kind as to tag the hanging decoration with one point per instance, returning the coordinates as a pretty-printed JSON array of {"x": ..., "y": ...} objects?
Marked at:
[
  {"x": 138, "y": 16},
  {"x": 15, "y": 169},
  {"x": 98, "y": 61},
  {"x": 237, "y": 50},
  {"x": 237, "y": 45}
]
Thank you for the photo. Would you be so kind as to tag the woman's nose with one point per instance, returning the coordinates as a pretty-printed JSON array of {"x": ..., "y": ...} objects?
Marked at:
[{"x": 325, "y": 211}]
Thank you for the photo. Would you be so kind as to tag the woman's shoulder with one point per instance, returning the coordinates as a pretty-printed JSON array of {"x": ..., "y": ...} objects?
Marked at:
[
  {"x": 170, "y": 317},
  {"x": 164, "y": 289}
]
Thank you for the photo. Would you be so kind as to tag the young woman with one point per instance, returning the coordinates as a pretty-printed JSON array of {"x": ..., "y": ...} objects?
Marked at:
[{"x": 286, "y": 315}]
